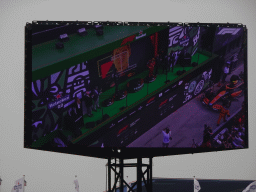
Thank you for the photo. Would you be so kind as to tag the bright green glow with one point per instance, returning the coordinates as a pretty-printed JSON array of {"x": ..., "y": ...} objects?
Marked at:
[{"x": 135, "y": 97}]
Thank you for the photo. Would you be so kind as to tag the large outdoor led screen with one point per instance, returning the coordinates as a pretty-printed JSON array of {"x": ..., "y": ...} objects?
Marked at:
[{"x": 148, "y": 87}]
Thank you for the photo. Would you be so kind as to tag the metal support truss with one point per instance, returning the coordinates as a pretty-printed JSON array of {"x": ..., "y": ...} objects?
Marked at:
[{"x": 118, "y": 169}]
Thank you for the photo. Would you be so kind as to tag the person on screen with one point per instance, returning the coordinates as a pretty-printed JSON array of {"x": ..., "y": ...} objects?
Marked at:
[
  {"x": 186, "y": 58},
  {"x": 223, "y": 113},
  {"x": 158, "y": 63},
  {"x": 116, "y": 80},
  {"x": 226, "y": 72},
  {"x": 78, "y": 102},
  {"x": 78, "y": 113},
  {"x": 165, "y": 64},
  {"x": 233, "y": 63},
  {"x": 161, "y": 56},
  {"x": 150, "y": 65},
  {"x": 96, "y": 94},
  {"x": 186, "y": 54},
  {"x": 170, "y": 61},
  {"x": 88, "y": 103},
  {"x": 241, "y": 130},
  {"x": 226, "y": 140},
  {"x": 241, "y": 120},
  {"x": 237, "y": 142},
  {"x": 219, "y": 68},
  {"x": 207, "y": 134},
  {"x": 166, "y": 137},
  {"x": 69, "y": 120}
]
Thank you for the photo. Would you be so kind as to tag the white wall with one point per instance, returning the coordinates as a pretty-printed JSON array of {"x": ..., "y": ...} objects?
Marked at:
[{"x": 48, "y": 171}]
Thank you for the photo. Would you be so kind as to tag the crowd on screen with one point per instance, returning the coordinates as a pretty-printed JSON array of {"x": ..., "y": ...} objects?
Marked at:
[{"x": 230, "y": 137}]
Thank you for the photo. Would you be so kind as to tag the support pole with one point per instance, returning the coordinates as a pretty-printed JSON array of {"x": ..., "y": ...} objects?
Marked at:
[
  {"x": 116, "y": 177},
  {"x": 121, "y": 174},
  {"x": 118, "y": 168},
  {"x": 150, "y": 175},
  {"x": 109, "y": 174},
  {"x": 139, "y": 174},
  {"x": 106, "y": 178},
  {"x": 148, "y": 168}
]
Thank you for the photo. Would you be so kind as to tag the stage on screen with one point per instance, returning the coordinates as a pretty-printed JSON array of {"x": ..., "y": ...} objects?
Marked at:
[{"x": 153, "y": 88}]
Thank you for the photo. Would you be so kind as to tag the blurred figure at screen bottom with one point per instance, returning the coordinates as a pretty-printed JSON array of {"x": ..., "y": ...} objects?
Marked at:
[
  {"x": 223, "y": 113},
  {"x": 166, "y": 137}
]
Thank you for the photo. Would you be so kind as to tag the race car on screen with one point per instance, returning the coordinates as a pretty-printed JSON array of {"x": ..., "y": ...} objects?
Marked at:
[{"x": 225, "y": 94}]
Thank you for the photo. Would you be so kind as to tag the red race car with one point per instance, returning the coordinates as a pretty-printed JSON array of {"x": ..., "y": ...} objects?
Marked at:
[{"x": 226, "y": 93}]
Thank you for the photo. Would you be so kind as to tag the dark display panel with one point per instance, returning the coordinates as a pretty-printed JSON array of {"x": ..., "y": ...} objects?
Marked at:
[{"x": 140, "y": 78}]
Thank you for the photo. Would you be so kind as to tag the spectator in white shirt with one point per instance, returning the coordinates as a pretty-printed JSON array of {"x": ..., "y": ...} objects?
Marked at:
[
  {"x": 166, "y": 137},
  {"x": 226, "y": 72}
]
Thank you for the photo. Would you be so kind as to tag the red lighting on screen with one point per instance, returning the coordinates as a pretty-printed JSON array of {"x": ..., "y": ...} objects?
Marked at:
[
  {"x": 58, "y": 96},
  {"x": 105, "y": 69},
  {"x": 154, "y": 41},
  {"x": 165, "y": 101},
  {"x": 123, "y": 129},
  {"x": 152, "y": 99},
  {"x": 128, "y": 39}
]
